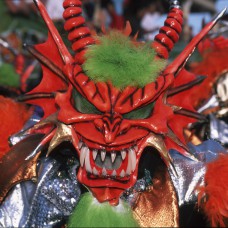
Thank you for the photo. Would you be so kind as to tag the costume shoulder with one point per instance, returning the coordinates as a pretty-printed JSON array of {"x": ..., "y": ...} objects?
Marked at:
[{"x": 19, "y": 164}]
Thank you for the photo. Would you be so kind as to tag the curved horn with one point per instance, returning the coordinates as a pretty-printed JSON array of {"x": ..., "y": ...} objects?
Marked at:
[
  {"x": 79, "y": 33},
  {"x": 169, "y": 33}
]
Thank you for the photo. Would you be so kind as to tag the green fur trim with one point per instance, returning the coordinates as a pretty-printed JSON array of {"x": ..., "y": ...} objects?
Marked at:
[
  {"x": 118, "y": 60},
  {"x": 8, "y": 76},
  {"x": 90, "y": 213}
]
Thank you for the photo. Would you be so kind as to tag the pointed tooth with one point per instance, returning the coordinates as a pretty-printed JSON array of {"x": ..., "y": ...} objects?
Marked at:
[
  {"x": 103, "y": 155},
  {"x": 136, "y": 148},
  {"x": 113, "y": 156},
  {"x": 114, "y": 173},
  {"x": 123, "y": 154},
  {"x": 95, "y": 172},
  {"x": 129, "y": 166},
  {"x": 122, "y": 174},
  {"x": 83, "y": 153},
  {"x": 104, "y": 172},
  {"x": 87, "y": 163},
  {"x": 80, "y": 144},
  {"x": 95, "y": 154},
  {"x": 132, "y": 156}
]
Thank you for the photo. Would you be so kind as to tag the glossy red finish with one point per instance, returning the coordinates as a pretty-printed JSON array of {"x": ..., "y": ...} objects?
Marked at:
[
  {"x": 169, "y": 33},
  {"x": 110, "y": 130},
  {"x": 79, "y": 34},
  {"x": 106, "y": 194}
]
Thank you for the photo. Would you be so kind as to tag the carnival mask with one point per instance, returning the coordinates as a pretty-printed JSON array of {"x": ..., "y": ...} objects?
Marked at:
[{"x": 111, "y": 121}]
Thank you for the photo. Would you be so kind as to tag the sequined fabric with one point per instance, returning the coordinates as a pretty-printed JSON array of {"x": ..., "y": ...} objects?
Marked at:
[
  {"x": 190, "y": 172},
  {"x": 218, "y": 129},
  {"x": 51, "y": 200},
  {"x": 46, "y": 204}
]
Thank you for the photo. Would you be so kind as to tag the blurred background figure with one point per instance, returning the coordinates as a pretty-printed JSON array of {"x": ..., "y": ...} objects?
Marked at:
[
  {"x": 109, "y": 14},
  {"x": 150, "y": 21}
]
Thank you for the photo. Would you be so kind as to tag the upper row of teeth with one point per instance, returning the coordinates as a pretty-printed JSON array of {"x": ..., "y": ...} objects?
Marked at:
[
  {"x": 85, "y": 159},
  {"x": 113, "y": 155}
]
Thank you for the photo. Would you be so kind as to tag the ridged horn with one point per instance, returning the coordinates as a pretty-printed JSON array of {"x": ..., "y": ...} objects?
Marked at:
[
  {"x": 79, "y": 33},
  {"x": 169, "y": 33}
]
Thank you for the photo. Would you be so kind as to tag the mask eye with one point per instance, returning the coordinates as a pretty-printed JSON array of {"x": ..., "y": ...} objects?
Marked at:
[
  {"x": 141, "y": 113},
  {"x": 82, "y": 105}
]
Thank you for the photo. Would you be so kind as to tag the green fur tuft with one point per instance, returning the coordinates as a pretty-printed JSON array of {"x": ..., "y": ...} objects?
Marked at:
[
  {"x": 90, "y": 213},
  {"x": 118, "y": 60}
]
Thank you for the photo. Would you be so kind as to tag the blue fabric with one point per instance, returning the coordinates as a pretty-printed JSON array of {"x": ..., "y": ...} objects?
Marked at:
[
  {"x": 205, "y": 152},
  {"x": 118, "y": 6}
]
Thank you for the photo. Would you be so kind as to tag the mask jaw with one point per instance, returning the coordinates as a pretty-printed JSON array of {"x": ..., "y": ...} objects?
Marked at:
[{"x": 111, "y": 194}]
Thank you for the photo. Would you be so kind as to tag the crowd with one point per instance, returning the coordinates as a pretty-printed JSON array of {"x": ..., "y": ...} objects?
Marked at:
[{"x": 142, "y": 15}]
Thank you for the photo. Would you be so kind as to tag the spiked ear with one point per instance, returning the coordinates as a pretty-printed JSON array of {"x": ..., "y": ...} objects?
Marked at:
[
  {"x": 66, "y": 56},
  {"x": 180, "y": 61},
  {"x": 53, "y": 56},
  {"x": 169, "y": 33},
  {"x": 79, "y": 33}
]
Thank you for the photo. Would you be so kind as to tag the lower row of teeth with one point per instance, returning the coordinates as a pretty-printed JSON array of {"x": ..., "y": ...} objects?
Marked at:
[{"x": 85, "y": 153}]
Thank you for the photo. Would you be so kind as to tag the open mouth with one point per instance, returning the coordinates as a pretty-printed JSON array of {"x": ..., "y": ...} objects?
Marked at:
[{"x": 102, "y": 163}]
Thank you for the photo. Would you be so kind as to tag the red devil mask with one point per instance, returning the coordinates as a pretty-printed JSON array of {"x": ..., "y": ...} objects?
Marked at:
[{"x": 110, "y": 127}]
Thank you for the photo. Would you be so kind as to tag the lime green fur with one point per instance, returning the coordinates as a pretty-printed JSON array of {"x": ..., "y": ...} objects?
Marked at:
[
  {"x": 117, "y": 59},
  {"x": 90, "y": 213},
  {"x": 8, "y": 76}
]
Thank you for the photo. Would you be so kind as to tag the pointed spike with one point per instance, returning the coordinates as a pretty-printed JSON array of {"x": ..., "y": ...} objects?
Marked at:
[
  {"x": 220, "y": 15},
  {"x": 103, "y": 29},
  {"x": 187, "y": 86},
  {"x": 45, "y": 61},
  {"x": 127, "y": 31},
  {"x": 27, "y": 97},
  {"x": 183, "y": 57},
  {"x": 176, "y": 140},
  {"x": 66, "y": 56},
  {"x": 50, "y": 120},
  {"x": 63, "y": 133},
  {"x": 47, "y": 138},
  {"x": 136, "y": 36},
  {"x": 191, "y": 114}
]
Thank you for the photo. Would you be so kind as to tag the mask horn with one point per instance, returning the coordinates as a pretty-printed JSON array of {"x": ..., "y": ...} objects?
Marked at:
[
  {"x": 169, "y": 33},
  {"x": 79, "y": 33}
]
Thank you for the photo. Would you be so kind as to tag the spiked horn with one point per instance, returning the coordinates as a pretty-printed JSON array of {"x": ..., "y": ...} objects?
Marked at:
[
  {"x": 183, "y": 57},
  {"x": 66, "y": 56},
  {"x": 79, "y": 33},
  {"x": 169, "y": 33}
]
